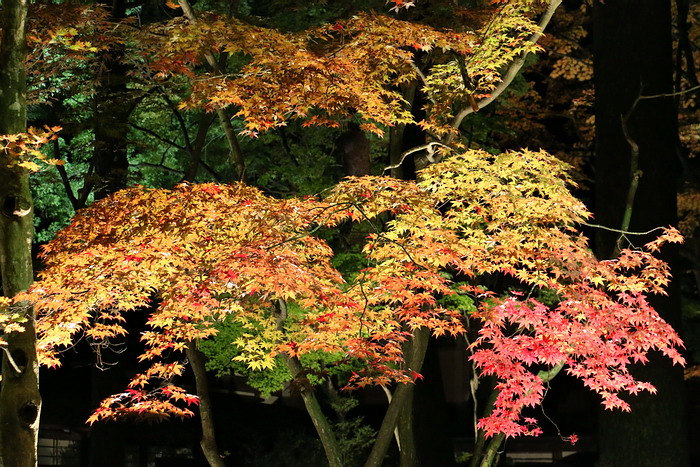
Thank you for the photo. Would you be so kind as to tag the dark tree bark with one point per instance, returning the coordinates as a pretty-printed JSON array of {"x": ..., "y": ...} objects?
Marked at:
[
  {"x": 431, "y": 421},
  {"x": 353, "y": 147},
  {"x": 636, "y": 171},
  {"x": 20, "y": 402},
  {"x": 414, "y": 354},
  {"x": 112, "y": 107}
]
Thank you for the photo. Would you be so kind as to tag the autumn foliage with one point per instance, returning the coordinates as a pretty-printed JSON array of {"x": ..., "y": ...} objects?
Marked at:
[
  {"x": 500, "y": 229},
  {"x": 196, "y": 254}
]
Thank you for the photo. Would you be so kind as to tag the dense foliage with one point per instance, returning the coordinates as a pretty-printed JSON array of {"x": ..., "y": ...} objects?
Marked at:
[{"x": 242, "y": 237}]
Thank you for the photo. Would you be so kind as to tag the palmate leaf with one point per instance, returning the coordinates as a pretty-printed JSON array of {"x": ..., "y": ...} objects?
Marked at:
[{"x": 212, "y": 253}]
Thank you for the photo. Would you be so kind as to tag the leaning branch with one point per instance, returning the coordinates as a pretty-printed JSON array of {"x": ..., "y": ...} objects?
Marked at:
[
  {"x": 235, "y": 152},
  {"x": 510, "y": 74}
]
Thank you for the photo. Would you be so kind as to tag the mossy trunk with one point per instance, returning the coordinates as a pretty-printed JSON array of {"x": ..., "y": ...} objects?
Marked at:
[{"x": 20, "y": 402}]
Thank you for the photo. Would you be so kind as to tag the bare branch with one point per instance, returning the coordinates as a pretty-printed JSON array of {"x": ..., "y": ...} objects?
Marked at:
[
  {"x": 165, "y": 168},
  {"x": 669, "y": 94},
  {"x": 157, "y": 136},
  {"x": 430, "y": 148},
  {"x": 64, "y": 178},
  {"x": 11, "y": 360}
]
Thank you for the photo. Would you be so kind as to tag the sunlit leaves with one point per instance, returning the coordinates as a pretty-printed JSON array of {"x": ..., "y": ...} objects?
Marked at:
[
  {"x": 512, "y": 214},
  {"x": 23, "y": 149},
  {"x": 351, "y": 67},
  {"x": 210, "y": 253}
]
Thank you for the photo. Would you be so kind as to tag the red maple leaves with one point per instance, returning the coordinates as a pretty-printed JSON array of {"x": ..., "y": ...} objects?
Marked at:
[{"x": 215, "y": 252}]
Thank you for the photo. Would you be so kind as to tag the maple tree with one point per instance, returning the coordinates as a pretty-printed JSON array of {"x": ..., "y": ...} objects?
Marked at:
[
  {"x": 200, "y": 254},
  {"x": 208, "y": 252}
]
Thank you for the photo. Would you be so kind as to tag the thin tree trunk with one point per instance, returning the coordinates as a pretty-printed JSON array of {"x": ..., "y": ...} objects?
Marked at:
[
  {"x": 398, "y": 401},
  {"x": 319, "y": 419},
  {"x": 197, "y": 146},
  {"x": 112, "y": 107},
  {"x": 491, "y": 454},
  {"x": 235, "y": 153},
  {"x": 407, "y": 441},
  {"x": 206, "y": 415},
  {"x": 20, "y": 402}
]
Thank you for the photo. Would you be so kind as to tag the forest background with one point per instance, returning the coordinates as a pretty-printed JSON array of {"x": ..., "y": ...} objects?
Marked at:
[{"x": 150, "y": 94}]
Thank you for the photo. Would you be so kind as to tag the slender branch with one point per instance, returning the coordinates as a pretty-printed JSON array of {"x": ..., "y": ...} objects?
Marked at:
[
  {"x": 422, "y": 77},
  {"x": 199, "y": 144},
  {"x": 668, "y": 94},
  {"x": 509, "y": 75},
  {"x": 210, "y": 171},
  {"x": 626, "y": 232},
  {"x": 11, "y": 360},
  {"x": 430, "y": 147},
  {"x": 158, "y": 166},
  {"x": 235, "y": 152},
  {"x": 64, "y": 178},
  {"x": 180, "y": 119},
  {"x": 285, "y": 146},
  {"x": 157, "y": 136},
  {"x": 635, "y": 173}
]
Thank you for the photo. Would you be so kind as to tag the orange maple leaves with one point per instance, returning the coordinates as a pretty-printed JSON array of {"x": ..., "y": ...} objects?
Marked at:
[
  {"x": 23, "y": 149},
  {"x": 198, "y": 254}
]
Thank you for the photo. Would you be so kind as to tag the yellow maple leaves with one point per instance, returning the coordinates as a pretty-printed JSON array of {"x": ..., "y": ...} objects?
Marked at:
[
  {"x": 23, "y": 149},
  {"x": 197, "y": 255}
]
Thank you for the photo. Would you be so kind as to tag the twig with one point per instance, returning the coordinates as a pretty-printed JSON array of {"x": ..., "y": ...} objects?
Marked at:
[
  {"x": 180, "y": 119},
  {"x": 158, "y": 166},
  {"x": 157, "y": 136},
  {"x": 64, "y": 178},
  {"x": 668, "y": 94},
  {"x": 626, "y": 232}
]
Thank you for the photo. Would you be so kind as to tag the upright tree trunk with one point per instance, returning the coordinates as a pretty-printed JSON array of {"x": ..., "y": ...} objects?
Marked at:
[
  {"x": 313, "y": 408},
  {"x": 431, "y": 421},
  {"x": 399, "y": 402},
  {"x": 112, "y": 106},
  {"x": 206, "y": 410},
  {"x": 20, "y": 402},
  {"x": 636, "y": 167}
]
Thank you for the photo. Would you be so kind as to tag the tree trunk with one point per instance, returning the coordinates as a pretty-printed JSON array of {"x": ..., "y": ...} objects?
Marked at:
[
  {"x": 112, "y": 107},
  {"x": 319, "y": 419},
  {"x": 431, "y": 421},
  {"x": 206, "y": 413},
  {"x": 399, "y": 401},
  {"x": 636, "y": 171},
  {"x": 20, "y": 402}
]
